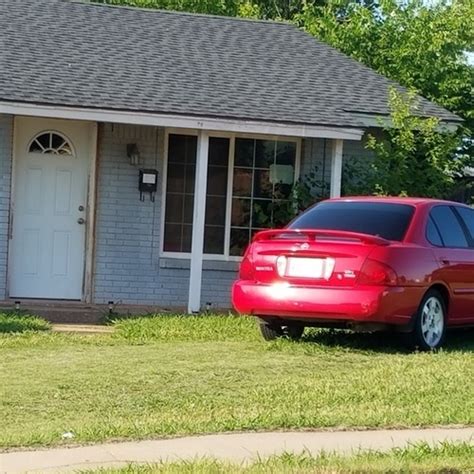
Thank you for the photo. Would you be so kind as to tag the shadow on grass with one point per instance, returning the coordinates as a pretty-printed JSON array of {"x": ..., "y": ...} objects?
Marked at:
[
  {"x": 456, "y": 340},
  {"x": 17, "y": 322}
]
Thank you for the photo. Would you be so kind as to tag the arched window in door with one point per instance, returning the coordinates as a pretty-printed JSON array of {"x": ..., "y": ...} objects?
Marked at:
[{"x": 51, "y": 143}]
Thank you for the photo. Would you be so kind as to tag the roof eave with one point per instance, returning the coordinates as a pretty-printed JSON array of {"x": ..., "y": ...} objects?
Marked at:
[
  {"x": 182, "y": 121},
  {"x": 384, "y": 121}
]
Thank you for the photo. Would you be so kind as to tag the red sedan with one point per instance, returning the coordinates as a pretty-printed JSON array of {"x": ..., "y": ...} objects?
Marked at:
[{"x": 367, "y": 264}]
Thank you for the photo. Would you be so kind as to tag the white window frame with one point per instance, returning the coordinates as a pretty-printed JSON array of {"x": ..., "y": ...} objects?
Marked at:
[{"x": 230, "y": 179}]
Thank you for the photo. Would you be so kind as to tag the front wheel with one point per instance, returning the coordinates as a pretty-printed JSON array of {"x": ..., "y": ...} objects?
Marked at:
[{"x": 429, "y": 331}]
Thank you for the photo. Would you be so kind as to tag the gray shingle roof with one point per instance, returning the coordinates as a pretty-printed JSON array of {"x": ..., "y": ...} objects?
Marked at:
[{"x": 77, "y": 54}]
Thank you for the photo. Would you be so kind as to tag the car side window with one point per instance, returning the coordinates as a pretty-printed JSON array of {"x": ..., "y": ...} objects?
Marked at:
[
  {"x": 449, "y": 227},
  {"x": 467, "y": 215},
  {"x": 432, "y": 233}
]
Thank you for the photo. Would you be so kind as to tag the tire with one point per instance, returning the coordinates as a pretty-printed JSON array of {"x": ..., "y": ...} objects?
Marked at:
[
  {"x": 270, "y": 332},
  {"x": 294, "y": 332},
  {"x": 429, "y": 330}
]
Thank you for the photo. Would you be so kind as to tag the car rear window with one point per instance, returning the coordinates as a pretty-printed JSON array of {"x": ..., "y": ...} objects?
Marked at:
[{"x": 387, "y": 220}]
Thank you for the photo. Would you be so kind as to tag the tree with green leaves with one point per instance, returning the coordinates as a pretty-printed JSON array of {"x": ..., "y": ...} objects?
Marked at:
[
  {"x": 422, "y": 45},
  {"x": 416, "y": 156},
  {"x": 265, "y": 9}
]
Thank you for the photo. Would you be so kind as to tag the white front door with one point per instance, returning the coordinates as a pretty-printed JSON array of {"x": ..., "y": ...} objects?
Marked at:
[{"x": 49, "y": 208}]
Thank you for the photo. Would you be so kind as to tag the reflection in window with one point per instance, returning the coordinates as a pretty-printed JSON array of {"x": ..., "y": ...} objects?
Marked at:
[
  {"x": 264, "y": 172},
  {"x": 50, "y": 143},
  {"x": 263, "y": 176}
]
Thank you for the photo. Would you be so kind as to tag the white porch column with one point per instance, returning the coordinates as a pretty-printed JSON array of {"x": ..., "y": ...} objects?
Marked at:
[
  {"x": 336, "y": 168},
  {"x": 199, "y": 214}
]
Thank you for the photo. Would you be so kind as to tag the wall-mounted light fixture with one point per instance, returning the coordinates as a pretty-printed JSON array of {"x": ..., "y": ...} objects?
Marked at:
[{"x": 133, "y": 154}]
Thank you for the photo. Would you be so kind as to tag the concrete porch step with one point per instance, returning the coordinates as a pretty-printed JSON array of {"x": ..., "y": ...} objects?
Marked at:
[
  {"x": 68, "y": 312},
  {"x": 76, "y": 312},
  {"x": 83, "y": 328}
]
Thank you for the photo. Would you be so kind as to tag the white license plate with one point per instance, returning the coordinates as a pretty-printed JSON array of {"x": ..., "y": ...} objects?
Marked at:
[{"x": 306, "y": 267}]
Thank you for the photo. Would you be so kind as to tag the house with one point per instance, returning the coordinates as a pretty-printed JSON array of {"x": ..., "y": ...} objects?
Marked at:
[{"x": 139, "y": 148}]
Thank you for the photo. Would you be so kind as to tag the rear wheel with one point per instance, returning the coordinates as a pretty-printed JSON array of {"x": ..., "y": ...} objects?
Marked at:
[
  {"x": 272, "y": 331},
  {"x": 429, "y": 330}
]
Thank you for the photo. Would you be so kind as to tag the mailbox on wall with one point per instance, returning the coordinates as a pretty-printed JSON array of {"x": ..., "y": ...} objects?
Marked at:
[{"x": 148, "y": 183}]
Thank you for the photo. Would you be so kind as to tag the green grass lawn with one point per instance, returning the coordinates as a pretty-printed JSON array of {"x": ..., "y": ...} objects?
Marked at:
[
  {"x": 15, "y": 323},
  {"x": 448, "y": 458},
  {"x": 168, "y": 376}
]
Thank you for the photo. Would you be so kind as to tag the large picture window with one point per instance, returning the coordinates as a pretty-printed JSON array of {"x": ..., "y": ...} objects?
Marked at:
[{"x": 248, "y": 180}]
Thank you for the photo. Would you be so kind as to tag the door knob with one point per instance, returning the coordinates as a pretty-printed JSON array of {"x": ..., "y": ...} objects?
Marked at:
[{"x": 81, "y": 220}]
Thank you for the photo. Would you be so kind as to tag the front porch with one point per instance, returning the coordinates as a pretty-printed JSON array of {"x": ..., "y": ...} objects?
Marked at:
[{"x": 181, "y": 249}]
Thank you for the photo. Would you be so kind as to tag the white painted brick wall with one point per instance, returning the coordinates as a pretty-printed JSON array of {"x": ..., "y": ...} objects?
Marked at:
[
  {"x": 127, "y": 266},
  {"x": 6, "y": 140}
]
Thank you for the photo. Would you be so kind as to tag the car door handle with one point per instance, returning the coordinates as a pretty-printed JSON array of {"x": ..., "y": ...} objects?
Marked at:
[{"x": 445, "y": 261}]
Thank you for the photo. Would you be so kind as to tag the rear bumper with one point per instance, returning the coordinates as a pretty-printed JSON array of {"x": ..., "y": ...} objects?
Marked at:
[{"x": 387, "y": 305}]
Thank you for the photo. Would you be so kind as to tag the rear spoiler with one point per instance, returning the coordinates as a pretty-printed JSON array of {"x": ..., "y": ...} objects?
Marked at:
[{"x": 312, "y": 234}]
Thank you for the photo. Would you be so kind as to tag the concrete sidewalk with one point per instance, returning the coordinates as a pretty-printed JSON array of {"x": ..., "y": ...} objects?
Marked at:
[{"x": 240, "y": 447}]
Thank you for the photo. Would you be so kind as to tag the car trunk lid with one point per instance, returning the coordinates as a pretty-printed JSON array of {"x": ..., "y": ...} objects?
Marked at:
[{"x": 311, "y": 257}]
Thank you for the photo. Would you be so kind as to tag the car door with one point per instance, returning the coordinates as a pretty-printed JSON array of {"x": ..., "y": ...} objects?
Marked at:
[
  {"x": 456, "y": 261},
  {"x": 466, "y": 216}
]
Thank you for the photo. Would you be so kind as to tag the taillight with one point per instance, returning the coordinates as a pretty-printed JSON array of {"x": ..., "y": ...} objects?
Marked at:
[
  {"x": 246, "y": 271},
  {"x": 374, "y": 272}
]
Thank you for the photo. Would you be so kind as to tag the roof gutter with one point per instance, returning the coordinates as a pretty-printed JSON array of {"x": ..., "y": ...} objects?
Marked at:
[
  {"x": 385, "y": 121},
  {"x": 180, "y": 121}
]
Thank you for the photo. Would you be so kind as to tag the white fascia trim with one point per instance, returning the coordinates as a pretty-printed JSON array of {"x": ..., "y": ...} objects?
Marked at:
[
  {"x": 181, "y": 121},
  {"x": 384, "y": 121}
]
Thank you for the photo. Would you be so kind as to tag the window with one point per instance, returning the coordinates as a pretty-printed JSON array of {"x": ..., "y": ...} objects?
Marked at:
[
  {"x": 432, "y": 233},
  {"x": 449, "y": 227},
  {"x": 180, "y": 193},
  {"x": 467, "y": 215},
  {"x": 216, "y": 197},
  {"x": 247, "y": 181},
  {"x": 264, "y": 172},
  {"x": 386, "y": 220},
  {"x": 50, "y": 143}
]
